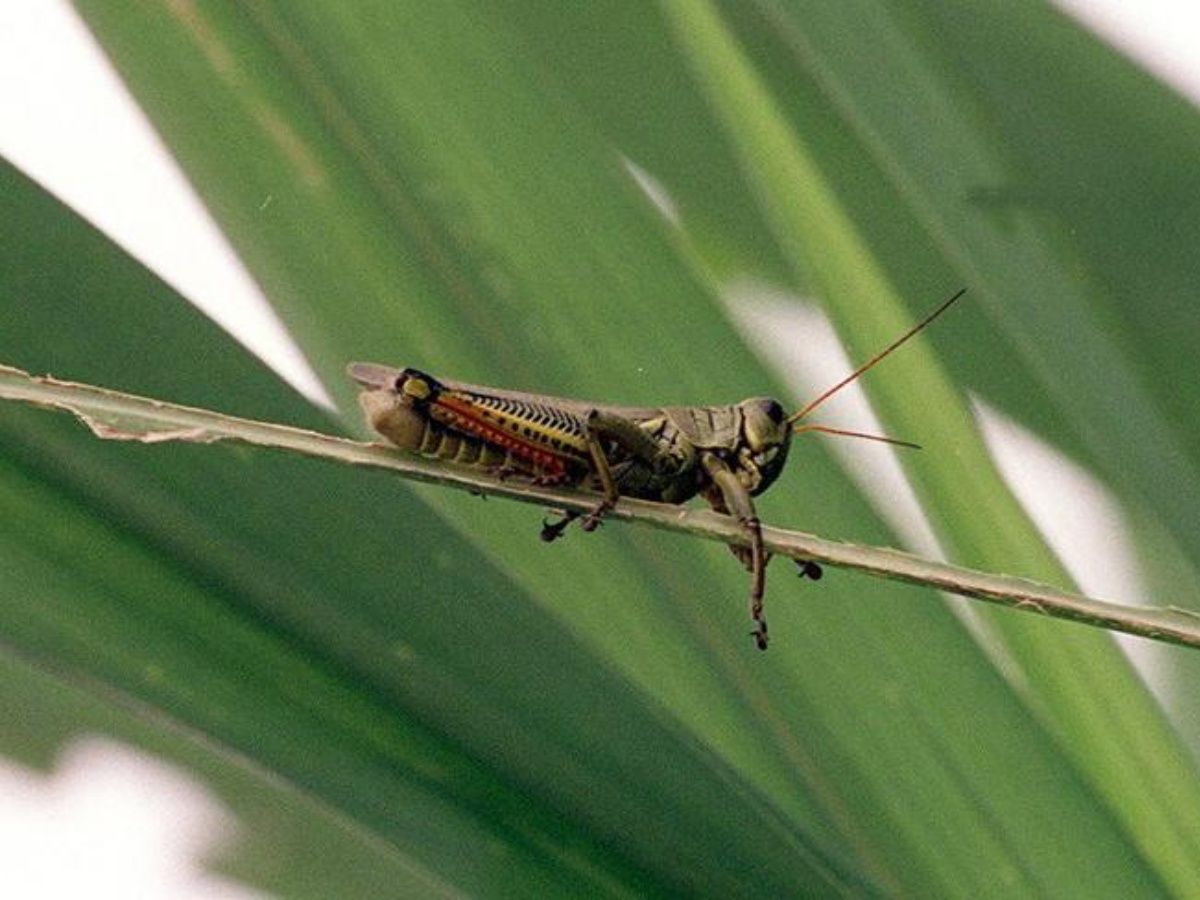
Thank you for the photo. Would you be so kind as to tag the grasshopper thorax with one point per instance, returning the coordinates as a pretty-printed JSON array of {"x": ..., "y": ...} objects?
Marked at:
[{"x": 765, "y": 438}]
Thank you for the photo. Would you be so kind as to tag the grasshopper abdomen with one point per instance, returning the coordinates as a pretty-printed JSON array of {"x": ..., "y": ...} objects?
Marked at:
[{"x": 418, "y": 413}]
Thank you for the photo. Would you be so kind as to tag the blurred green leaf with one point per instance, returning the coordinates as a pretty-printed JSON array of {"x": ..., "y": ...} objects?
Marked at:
[{"x": 285, "y": 842}]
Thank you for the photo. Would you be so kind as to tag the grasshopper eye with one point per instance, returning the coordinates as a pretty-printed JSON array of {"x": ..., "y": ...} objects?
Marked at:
[{"x": 763, "y": 423}]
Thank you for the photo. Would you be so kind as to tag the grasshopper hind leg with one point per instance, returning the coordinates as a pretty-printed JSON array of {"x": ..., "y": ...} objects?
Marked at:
[{"x": 598, "y": 427}]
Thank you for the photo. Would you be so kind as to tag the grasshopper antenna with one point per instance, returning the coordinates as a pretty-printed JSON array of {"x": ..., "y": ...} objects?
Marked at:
[
  {"x": 825, "y": 429},
  {"x": 869, "y": 364}
]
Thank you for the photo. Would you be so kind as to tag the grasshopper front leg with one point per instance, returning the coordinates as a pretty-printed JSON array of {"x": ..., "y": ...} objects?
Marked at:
[
  {"x": 599, "y": 427},
  {"x": 732, "y": 497}
]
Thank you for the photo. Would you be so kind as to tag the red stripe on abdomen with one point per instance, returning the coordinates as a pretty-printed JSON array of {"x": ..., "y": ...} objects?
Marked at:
[{"x": 461, "y": 415}]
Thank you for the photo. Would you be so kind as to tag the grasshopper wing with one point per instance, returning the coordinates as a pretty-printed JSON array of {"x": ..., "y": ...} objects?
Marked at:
[{"x": 372, "y": 375}]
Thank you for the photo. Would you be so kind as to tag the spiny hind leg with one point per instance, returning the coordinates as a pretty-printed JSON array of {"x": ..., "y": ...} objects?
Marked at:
[
  {"x": 593, "y": 434},
  {"x": 603, "y": 426},
  {"x": 600, "y": 426}
]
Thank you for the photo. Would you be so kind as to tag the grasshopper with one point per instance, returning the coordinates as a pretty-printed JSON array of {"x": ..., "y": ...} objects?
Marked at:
[{"x": 725, "y": 454}]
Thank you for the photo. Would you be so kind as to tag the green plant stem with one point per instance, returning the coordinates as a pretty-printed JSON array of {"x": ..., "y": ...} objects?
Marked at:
[{"x": 117, "y": 416}]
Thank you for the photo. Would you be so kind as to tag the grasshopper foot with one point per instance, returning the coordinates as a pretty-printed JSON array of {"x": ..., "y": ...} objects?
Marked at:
[
  {"x": 809, "y": 569},
  {"x": 552, "y": 531},
  {"x": 760, "y": 635},
  {"x": 592, "y": 520}
]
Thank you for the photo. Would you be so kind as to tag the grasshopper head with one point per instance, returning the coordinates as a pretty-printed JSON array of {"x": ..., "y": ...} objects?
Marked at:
[{"x": 766, "y": 436}]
